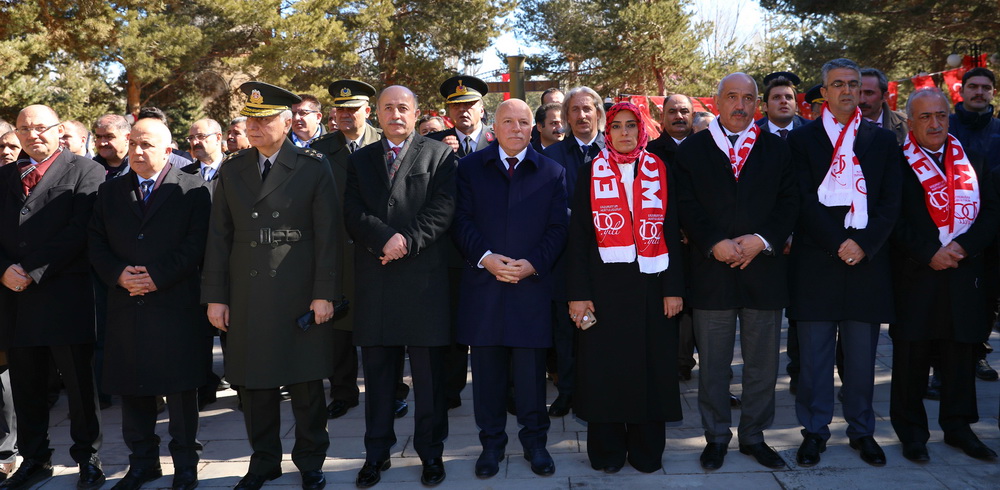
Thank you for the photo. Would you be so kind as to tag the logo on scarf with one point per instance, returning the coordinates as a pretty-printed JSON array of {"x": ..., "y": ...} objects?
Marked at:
[{"x": 608, "y": 222}]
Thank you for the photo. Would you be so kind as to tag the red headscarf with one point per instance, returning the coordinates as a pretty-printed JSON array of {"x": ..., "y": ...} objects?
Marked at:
[{"x": 641, "y": 139}]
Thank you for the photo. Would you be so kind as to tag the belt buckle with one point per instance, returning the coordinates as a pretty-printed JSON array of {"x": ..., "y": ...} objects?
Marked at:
[{"x": 266, "y": 236}]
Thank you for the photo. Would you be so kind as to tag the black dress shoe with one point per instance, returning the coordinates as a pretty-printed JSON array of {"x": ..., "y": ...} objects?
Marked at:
[
  {"x": 185, "y": 478},
  {"x": 313, "y": 479},
  {"x": 933, "y": 388},
  {"x": 808, "y": 454},
  {"x": 253, "y": 481},
  {"x": 371, "y": 473},
  {"x": 541, "y": 461},
  {"x": 223, "y": 384},
  {"x": 488, "y": 463},
  {"x": 433, "y": 473},
  {"x": 971, "y": 445},
  {"x": 454, "y": 403},
  {"x": 916, "y": 452},
  {"x": 135, "y": 477},
  {"x": 91, "y": 476},
  {"x": 984, "y": 371},
  {"x": 206, "y": 396},
  {"x": 560, "y": 407},
  {"x": 339, "y": 408},
  {"x": 734, "y": 401},
  {"x": 400, "y": 408},
  {"x": 713, "y": 456},
  {"x": 684, "y": 373},
  {"x": 30, "y": 473},
  {"x": 610, "y": 469},
  {"x": 284, "y": 393},
  {"x": 871, "y": 453},
  {"x": 763, "y": 454}
]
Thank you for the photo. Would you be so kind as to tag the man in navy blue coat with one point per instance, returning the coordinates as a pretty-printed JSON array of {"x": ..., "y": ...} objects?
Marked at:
[{"x": 510, "y": 225}]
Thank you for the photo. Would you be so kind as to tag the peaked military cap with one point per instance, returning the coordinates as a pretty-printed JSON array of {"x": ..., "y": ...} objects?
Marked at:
[
  {"x": 265, "y": 100},
  {"x": 463, "y": 88},
  {"x": 351, "y": 93},
  {"x": 814, "y": 96},
  {"x": 784, "y": 74}
]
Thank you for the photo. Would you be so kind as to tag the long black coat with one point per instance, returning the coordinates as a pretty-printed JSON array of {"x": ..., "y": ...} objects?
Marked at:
[
  {"x": 268, "y": 286},
  {"x": 715, "y": 207},
  {"x": 626, "y": 363},
  {"x": 823, "y": 287},
  {"x": 158, "y": 343},
  {"x": 47, "y": 234},
  {"x": 405, "y": 302},
  {"x": 948, "y": 304}
]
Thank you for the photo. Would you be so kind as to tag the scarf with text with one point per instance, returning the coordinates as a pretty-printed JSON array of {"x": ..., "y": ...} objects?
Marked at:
[
  {"x": 844, "y": 184},
  {"x": 738, "y": 152},
  {"x": 952, "y": 197}
]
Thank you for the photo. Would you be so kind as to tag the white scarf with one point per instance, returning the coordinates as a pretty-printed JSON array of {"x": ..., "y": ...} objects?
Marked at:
[
  {"x": 844, "y": 184},
  {"x": 957, "y": 186},
  {"x": 737, "y": 152}
]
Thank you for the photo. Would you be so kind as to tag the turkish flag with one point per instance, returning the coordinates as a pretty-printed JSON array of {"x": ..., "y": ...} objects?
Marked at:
[
  {"x": 893, "y": 94},
  {"x": 505, "y": 78},
  {"x": 805, "y": 108},
  {"x": 953, "y": 79},
  {"x": 657, "y": 100},
  {"x": 642, "y": 102},
  {"x": 968, "y": 62},
  {"x": 922, "y": 81},
  {"x": 705, "y": 104}
]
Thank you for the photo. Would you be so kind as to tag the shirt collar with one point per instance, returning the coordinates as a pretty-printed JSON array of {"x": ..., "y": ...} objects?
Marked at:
[
  {"x": 774, "y": 128},
  {"x": 678, "y": 141},
  {"x": 520, "y": 156},
  {"x": 154, "y": 178},
  {"x": 580, "y": 142},
  {"x": 474, "y": 135},
  {"x": 261, "y": 158}
]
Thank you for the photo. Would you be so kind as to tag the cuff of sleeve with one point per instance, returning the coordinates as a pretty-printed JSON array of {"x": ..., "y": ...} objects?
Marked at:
[
  {"x": 767, "y": 245},
  {"x": 480, "y": 263}
]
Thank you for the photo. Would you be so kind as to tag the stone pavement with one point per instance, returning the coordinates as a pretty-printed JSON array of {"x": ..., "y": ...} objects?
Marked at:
[{"x": 227, "y": 454}]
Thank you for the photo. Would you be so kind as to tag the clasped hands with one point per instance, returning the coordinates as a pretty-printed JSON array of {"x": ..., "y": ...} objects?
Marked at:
[
  {"x": 394, "y": 249},
  {"x": 16, "y": 278},
  {"x": 947, "y": 257},
  {"x": 135, "y": 279},
  {"x": 739, "y": 251},
  {"x": 506, "y": 269}
]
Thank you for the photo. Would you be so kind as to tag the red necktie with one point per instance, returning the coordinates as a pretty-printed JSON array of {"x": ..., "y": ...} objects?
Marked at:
[{"x": 511, "y": 165}]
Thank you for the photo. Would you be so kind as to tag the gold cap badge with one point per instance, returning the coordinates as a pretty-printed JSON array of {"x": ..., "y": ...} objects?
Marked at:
[{"x": 256, "y": 98}]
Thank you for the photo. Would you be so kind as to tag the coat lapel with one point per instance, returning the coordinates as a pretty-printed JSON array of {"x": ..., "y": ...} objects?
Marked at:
[
  {"x": 167, "y": 186},
  {"x": 52, "y": 176},
  {"x": 127, "y": 189},
  {"x": 407, "y": 163},
  {"x": 865, "y": 134},
  {"x": 280, "y": 170}
]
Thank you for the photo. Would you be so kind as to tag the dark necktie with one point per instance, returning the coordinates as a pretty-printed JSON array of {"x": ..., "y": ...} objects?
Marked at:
[
  {"x": 733, "y": 138},
  {"x": 781, "y": 132},
  {"x": 146, "y": 188},
  {"x": 206, "y": 173},
  {"x": 267, "y": 170},
  {"x": 29, "y": 178},
  {"x": 391, "y": 161},
  {"x": 511, "y": 165},
  {"x": 467, "y": 145},
  {"x": 936, "y": 155},
  {"x": 585, "y": 149},
  {"x": 879, "y": 124},
  {"x": 353, "y": 147}
]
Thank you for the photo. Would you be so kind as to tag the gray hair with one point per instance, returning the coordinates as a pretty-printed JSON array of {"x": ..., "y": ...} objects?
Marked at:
[
  {"x": 113, "y": 121},
  {"x": 286, "y": 115},
  {"x": 698, "y": 116},
  {"x": 842, "y": 63},
  {"x": 596, "y": 99},
  {"x": 237, "y": 120},
  {"x": 925, "y": 92},
  {"x": 883, "y": 81},
  {"x": 5, "y": 127}
]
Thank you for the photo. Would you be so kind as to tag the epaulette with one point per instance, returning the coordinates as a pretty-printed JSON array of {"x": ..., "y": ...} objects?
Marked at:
[
  {"x": 323, "y": 137},
  {"x": 313, "y": 153},
  {"x": 236, "y": 154}
]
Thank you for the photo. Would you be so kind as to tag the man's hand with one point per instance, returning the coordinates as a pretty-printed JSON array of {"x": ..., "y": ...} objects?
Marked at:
[
  {"x": 322, "y": 310},
  {"x": 751, "y": 246},
  {"x": 452, "y": 141},
  {"x": 945, "y": 258},
  {"x": 958, "y": 250},
  {"x": 15, "y": 278},
  {"x": 577, "y": 309},
  {"x": 672, "y": 305},
  {"x": 520, "y": 269},
  {"x": 496, "y": 264},
  {"x": 394, "y": 249},
  {"x": 727, "y": 251},
  {"x": 218, "y": 316},
  {"x": 850, "y": 252}
]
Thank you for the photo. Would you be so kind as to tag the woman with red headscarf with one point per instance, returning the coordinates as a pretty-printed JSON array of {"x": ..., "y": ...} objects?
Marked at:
[{"x": 625, "y": 268}]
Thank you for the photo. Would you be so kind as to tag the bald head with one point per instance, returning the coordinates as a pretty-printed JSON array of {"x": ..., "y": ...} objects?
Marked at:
[
  {"x": 397, "y": 113},
  {"x": 148, "y": 147},
  {"x": 678, "y": 114},
  {"x": 513, "y": 126},
  {"x": 39, "y": 131},
  {"x": 205, "y": 138},
  {"x": 736, "y": 101}
]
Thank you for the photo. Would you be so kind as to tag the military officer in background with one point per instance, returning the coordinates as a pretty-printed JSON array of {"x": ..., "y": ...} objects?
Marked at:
[{"x": 270, "y": 280}]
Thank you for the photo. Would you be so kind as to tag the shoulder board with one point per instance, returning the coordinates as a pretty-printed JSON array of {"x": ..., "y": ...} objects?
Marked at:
[
  {"x": 236, "y": 154},
  {"x": 311, "y": 152},
  {"x": 325, "y": 136}
]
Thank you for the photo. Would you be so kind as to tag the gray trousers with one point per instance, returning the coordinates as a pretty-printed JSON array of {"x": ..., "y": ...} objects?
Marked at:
[
  {"x": 8, "y": 426},
  {"x": 715, "y": 332}
]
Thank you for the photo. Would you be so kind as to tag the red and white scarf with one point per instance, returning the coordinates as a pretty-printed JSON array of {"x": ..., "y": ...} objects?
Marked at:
[
  {"x": 844, "y": 184},
  {"x": 952, "y": 198},
  {"x": 738, "y": 152},
  {"x": 622, "y": 233}
]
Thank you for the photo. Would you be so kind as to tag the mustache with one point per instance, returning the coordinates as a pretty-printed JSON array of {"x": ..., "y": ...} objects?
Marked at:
[
  {"x": 739, "y": 112},
  {"x": 397, "y": 121},
  {"x": 558, "y": 131}
]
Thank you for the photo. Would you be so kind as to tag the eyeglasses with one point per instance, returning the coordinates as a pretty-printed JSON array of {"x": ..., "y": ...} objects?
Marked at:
[
  {"x": 304, "y": 112},
  {"x": 841, "y": 83},
  {"x": 200, "y": 136},
  {"x": 26, "y": 131}
]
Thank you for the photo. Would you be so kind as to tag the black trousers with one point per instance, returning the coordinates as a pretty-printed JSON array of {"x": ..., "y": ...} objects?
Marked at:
[
  {"x": 381, "y": 366},
  {"x": 957, "y": 369},
  {"x": 611, "y": 444},
  {"x": 564, "y": 343},
  {"x": 493, "y": 367},
  {"x": 344, "y": 382},
  {"x": 262, "y": 414},
  {"x": 457, "y": 355},
  {"x": 139, "y": 430}
]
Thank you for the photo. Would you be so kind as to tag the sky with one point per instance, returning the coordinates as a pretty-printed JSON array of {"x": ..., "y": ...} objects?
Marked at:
[{"x": 722, "y": 12}]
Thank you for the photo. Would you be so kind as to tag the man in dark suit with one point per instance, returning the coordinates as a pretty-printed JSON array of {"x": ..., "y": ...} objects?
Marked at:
[
  {"x": 548, "y": 125},
  {"x": 841, "y": 283},
  {"x": 147, "y": 241},
  {"x": 583, "y": 116},
  {"x": 873, "y": 105},
  {"x": 399, "y": 205},
  {"x": 510, "y": 225},
  {"x": 270, "y": 280},
  {"x": 111, "y": 137},
  {"x": 780, "y": 104},
  {"x": 351, "y": 108},
  {"x": 938, "y": 269},
  {"x": 46, "y": 205},
  {"x": 738, "y": 204}
]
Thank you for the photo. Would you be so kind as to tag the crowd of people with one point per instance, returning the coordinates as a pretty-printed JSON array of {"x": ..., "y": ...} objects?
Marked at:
[{"x": 449, "y": 242}]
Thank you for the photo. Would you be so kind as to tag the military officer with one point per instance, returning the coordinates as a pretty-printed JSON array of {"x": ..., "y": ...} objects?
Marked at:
[{"x": 270, "y": 263}]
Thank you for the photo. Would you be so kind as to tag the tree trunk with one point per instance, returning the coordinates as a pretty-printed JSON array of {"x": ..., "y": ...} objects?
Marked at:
[{"x": 133, "y": 92}]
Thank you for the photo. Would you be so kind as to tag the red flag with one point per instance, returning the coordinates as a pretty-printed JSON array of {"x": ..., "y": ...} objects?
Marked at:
[
  {"x": 657, "y": 100},
  {"x": 893, "y": 94},
  {"x": 953, "y": 79},
  {"x": 704, "y": 104},
  {"x": 805, "y": 108},
  {"x": 642, "y": 102},
  {"x": 922, "y": 81},
  {"x": 505, "y": 78},
  {"x": 968, "y": 62}
]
